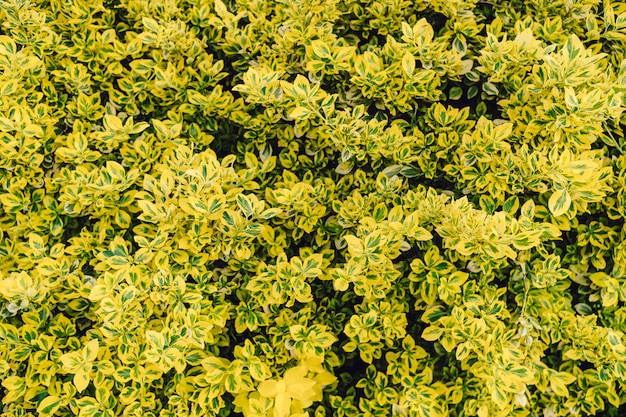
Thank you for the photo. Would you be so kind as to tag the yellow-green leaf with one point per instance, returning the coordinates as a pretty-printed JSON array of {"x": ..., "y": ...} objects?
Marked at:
[
  {"x": 559, "y": 202},
  {"x": 49, "y": 405}
]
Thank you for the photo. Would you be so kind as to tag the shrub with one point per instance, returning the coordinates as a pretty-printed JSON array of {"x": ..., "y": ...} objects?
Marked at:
[{"x": 312, "y": 208}]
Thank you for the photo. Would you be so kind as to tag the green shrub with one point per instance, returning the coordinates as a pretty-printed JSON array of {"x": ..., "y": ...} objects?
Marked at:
[{"x": 312, "y": 208}]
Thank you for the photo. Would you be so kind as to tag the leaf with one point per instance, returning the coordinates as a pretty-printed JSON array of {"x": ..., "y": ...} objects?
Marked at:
[
  {"x": 233, "y": 383},
  {"x": 112, "y": 123},
  {"x": 462, "y": 351},
  {"x": 7, "y": 46},
  {"x": 355, "y": 246},
  {"x": 8, "y": 87},
  {"x": 196, "y": 98},
  {"x": 499, "y": 397},
  {"x": 155, "y": 339},
  {"x": 269, "y": 213},
  {"x": 33, "y": 130},
  {"x": 49, "y": 405},
  {"x": 14, "y": 383},
  {"x": 6, "y": 125},
  {"x": 459, "y": 45},
  {"x": 115, "y": 170},
  {"x": 216, "y": 205},
  {"x": 221, "y": 10},
  {"x": 490, "y": 88},
  {"x": 81, "y": 380},
  {"x": 72, "y": 361},
  {"x": 573, "y": 47},
  {"x": 559, "y": 202},
  {"x": 16, "y": 387},
  {"x": 408, "y": 64},
  {"x": 90, "y": 351},
  {"x": 511, "y": 205},
  {"x": 341, "y": 284},
  {"x": 215, "y": 369},
  {"x": 160, "y": 129},
  {"x": 136, "y": 127},
  {"x": 193, "y": 206},
  {"x": 455, "y": 93},
  {"x": 300, "y": 113},
  {"x": 570, "y": 98},
  {"x": 245, "y": 204},
  {"x": 559, "y": 382},
  {"x": 320, "y": 49},
  {"x": 421, "y": 234},
  {"x": 432, "y": 333},
  {"x": 4, "y": 367},
  {"x": 150, "y": 24}
]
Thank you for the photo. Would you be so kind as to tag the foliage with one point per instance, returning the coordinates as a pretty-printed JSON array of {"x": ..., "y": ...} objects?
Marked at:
[{"x": 312, "y": 208}]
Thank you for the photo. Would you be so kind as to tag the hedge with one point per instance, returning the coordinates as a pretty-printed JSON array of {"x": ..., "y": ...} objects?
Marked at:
[{"x": 292, "y": 208}]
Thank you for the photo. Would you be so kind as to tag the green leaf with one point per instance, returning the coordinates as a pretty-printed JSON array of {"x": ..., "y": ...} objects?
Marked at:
[
  {"x": 472, "y": 92},
  {"x": 455, "y": 93}
]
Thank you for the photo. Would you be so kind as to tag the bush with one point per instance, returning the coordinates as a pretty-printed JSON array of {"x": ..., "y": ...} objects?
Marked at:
[{"x": 312, "y": 208}]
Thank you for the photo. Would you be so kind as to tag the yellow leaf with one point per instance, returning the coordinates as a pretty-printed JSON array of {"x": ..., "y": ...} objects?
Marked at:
[
  {"x": 32, "y": 130},
  {"x": 282, "y": 405},
  {"x": 4, "y": 366},
  {"x": 559, "y": 202},
  {"x": 49, "y": 405},
  {"x": 298, "y": 386},
  {"x": 432, "y": 333},
  {"x": 13, "y": 383},
  {"x": 71, "y": 362},
  {"x": 81, "y": 380},
  {"x": 355, "y": 246},
  {"x": 112, "y": 123},
  {"x": 340, "y": 284},
  {"x": 90, "y": 351},
  {"x": 299, "y": 113},
  {"x": 268, "y": 388},
  {"x": 16, "y": 387},
  {"x": 320, "y": 49},
  {"x": 408, "y": 63},
  {"x": 559, "y": 382}
]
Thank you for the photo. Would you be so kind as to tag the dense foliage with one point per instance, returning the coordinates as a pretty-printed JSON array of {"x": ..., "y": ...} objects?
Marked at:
[{"x": 312, "y": 208}]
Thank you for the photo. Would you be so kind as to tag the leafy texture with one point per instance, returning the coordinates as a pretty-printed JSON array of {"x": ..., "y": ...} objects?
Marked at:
[{"x": 312, "y": 208}]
